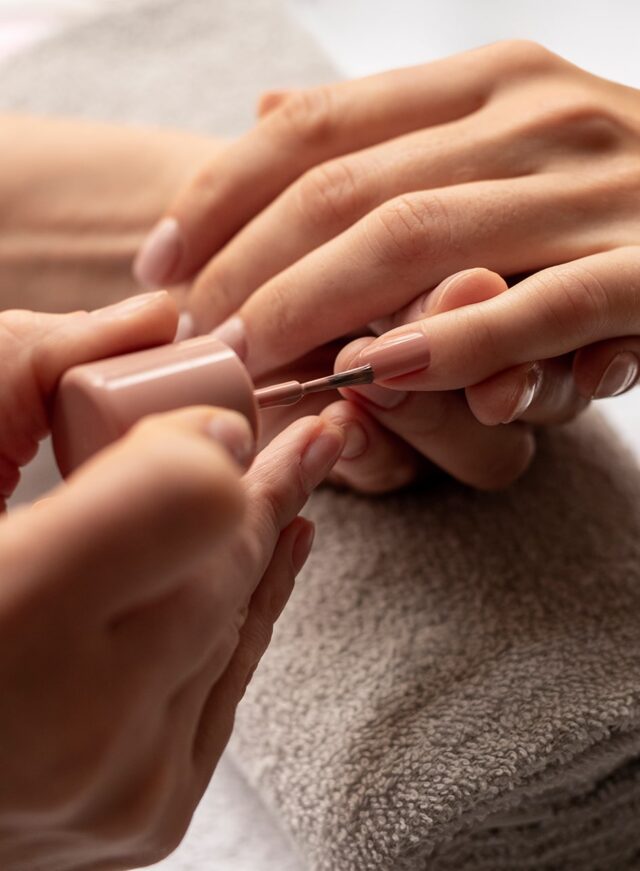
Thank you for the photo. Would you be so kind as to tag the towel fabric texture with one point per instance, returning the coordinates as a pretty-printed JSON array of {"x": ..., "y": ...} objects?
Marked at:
[{"x": 456, "y": 682}]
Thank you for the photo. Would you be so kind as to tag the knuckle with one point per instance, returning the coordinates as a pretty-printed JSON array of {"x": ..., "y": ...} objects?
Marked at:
[
  {"x": 524, "y": 54},
  {"x": 307, "y": 116},
  {"x": 410, "y": 228},
  {"x": 331, "y": 193},
  {"x": 573, "y": 301},
  {"x": 580, "y": 120}
]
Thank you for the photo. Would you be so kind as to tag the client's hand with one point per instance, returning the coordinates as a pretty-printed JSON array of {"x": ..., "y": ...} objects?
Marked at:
[
  {"x": 135, "y": 602},
  {"x": 507, "y": 156}
]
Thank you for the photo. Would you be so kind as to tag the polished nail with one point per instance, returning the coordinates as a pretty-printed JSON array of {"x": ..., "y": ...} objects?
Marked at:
[
  {"x": 320, "y": 456},
  {"x": 437, "y": 295},
  {"x": 621, "y": 374},
  {"x": 234, "y": 434},
  {"x": 381, "y": 397},
  {"x": 355, "y": 441},
  {"x": 302, "y": 547},
  {"x": 186, "y": 328},
  {"x": 528, "y": 392},
  {"x": 130, "y": 306},
  {"x": 397, "y": 355},
  {"x": 157, "y": 259},
  {"x": 233, "y": 333}
]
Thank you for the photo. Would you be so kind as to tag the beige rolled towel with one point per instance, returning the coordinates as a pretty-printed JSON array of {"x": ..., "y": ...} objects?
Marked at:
[{"x": 456, "y": 682}]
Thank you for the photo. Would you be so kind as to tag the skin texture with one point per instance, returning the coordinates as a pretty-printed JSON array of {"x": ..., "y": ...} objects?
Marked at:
[
  {"x": 129, "y": 628},
  {"x": 507, "y": 158}
]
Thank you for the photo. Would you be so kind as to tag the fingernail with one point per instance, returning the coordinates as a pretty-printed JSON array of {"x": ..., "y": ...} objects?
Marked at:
[
  {"x": 159, "y": 254},
  {"x": 186, "y": 328},
  {"x": 302, "y": 547},
  {"x": 430, "y": 300},
  {"x": 234, "y": 434},
  {"x": 233, "y": 333},
  {"x": 528, "y": 391},
  {"x": 397, "y": 355},
  {"x": 621, "y": 374},
  {"x": 320, "y": 456},
  {"x": 127, "y": 307},
  {"x": 355, "y": 441},
  {"x": 378, "y": 396}
]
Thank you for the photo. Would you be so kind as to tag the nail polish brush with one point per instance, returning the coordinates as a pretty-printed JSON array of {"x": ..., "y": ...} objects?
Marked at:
[{"x": 98, "y": 402}]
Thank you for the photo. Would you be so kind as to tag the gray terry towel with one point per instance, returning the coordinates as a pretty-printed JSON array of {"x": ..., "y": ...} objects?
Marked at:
[{"x": 456, "y": 681}]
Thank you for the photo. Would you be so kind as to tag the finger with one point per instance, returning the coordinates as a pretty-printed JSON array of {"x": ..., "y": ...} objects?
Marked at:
[
  {"x": 373, "y": 459},
  {"x": 63, "y": 341},
  {"x": 408, "y": 244},
  {"x": 217, "y": 713},
  {"x": 40, "y": 347},
  {"x": 466, "y": 287},
  {"x": 441, "y": 428},
  {"x": 305, "y": 130},
  {"x": 280, "y": 480},
  {"x": 537, "y": 393},
  {"x": 332, "y": 196},
  {"x": 271, "y": 100},
  {"x": 151, "y": 507},
  {"x": 607, "y": 368},
  {"x": 554, "y": 312}
]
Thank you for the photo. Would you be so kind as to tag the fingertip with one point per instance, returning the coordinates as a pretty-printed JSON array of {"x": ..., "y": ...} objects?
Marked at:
[{"x": 160, "y": 255}]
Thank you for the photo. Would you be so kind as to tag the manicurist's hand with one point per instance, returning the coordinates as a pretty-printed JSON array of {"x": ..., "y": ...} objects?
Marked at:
[{"x": 135, "y": 602}]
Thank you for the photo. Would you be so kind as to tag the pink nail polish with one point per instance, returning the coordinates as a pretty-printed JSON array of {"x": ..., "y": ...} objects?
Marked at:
[
  {"x": 381, "y": 397},
  {"x": 233, "y": 334},
  {"x": 159, "y": 255},
  {"x": 355, "y": 443},
  {"x": 529, "y": 391},
  {"x": 320, "y": 456},
  {"x": 621, "y": 374},
  {"x": 397, "y": 355},
  {"x": 234, "y": 434}
]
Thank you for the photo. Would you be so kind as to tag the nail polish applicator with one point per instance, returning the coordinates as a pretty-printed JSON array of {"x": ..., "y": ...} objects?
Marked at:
[{"x": 96, "y": 403}]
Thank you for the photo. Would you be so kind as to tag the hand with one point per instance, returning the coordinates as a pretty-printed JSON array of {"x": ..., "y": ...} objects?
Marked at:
[
  {"x": 136, "y": 600},
  {"x": 584, "y": 315},
  {"x": 508, "y": 157}
]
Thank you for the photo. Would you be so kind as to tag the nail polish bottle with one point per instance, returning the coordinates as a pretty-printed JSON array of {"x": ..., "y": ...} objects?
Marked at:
[{"x": 96, "y": 403}]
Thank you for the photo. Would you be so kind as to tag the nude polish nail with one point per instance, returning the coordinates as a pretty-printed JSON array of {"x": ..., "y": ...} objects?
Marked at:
[
  {"x": 355, "y": 442},
  {"x": 159, "y": 255},
  {"x": 235, "y": 435},
  {"x": 130, "y": 306},
  {"x": 320, "y": 456},
  {"x": 397, "y": 355},
  {"x": 381, "y": 397},
  {"x": 233, "y": 334},
  {"x": 528, "y": 393},
  {"x": 621, "y": 374}
]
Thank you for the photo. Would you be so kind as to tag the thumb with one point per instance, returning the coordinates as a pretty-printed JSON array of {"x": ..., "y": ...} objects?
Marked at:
[
  {"x": 62, "y": 341},
  {"x": 138, "y": 517},
  {"x": 36, "y": 349}
]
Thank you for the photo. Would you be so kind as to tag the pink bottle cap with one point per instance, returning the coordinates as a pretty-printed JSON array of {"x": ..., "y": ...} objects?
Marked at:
[{"x": 96, "y": 403}]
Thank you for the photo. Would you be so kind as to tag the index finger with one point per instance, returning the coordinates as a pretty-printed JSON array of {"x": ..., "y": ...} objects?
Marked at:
[
  {"x": 554, "y": 312},
  {"x": 305, "y": 129}
]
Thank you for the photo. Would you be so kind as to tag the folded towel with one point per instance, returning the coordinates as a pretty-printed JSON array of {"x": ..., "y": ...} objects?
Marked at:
[{"x": 456, "y": 681}]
